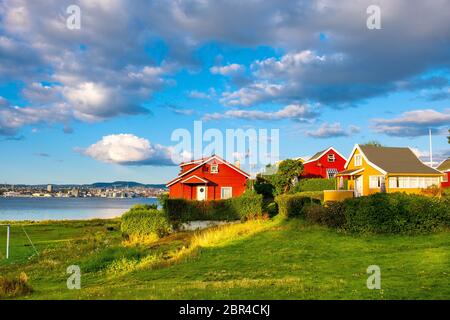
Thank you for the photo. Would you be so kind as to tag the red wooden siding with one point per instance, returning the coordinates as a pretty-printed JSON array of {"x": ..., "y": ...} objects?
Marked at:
[
  {"x": 318, "y": 168},
  {"x": 447, "y": 183},
  {"x": 227, "y": 176}
]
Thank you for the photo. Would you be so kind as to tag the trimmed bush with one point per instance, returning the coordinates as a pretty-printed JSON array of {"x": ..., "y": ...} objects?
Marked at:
[
  {"x": 143, "y": 221},
  {"x": 396, "y": 213},
  {"x": 315, "y": 184},
  {"x": 332, "y": 215},
  {"x": 318, "y": 195},
  {"x": 291, "y": 205},
  {"x": 335, "y": 217},
  {"x": 247, "y": 206}
]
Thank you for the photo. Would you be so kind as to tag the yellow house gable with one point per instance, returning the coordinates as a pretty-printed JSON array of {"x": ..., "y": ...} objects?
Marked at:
[{"x": 358, "y": 161}]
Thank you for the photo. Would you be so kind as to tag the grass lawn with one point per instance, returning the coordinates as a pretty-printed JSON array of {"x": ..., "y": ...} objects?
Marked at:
[{"x": 272, "y": 259}]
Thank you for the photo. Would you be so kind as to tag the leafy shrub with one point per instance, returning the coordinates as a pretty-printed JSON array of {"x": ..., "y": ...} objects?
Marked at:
[
  {"x": 271, "y": 208},
  {"x": 315, "y": 184},
  {"x": 396, "y": 213},
  {"x": 332, "y": 215},
  {"x": 247, "y": 206},
  {"x": 264, "y": 187},
  {"x": 314, "y": 213},
  {"x": 15, "y": 287},
  {"x": 318, "y": 195},
  {"x": 143, "y": 221},
  {"x": 335, "y": 217},
  {"x": 291, "y": 205}
]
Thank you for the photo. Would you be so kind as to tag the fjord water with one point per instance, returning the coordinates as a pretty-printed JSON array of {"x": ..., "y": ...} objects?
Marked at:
[{"x": 66, "y": 208}]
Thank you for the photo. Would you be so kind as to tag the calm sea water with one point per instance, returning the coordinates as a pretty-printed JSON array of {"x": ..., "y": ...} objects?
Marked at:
[{"x": 65, "y": 208}]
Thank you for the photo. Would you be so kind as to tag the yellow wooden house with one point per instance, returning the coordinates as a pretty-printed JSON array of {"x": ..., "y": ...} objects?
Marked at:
[{"x": 370, "y": 169}]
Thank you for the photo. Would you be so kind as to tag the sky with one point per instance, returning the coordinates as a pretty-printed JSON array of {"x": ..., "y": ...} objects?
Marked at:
[{"x": 100, "y": 100}]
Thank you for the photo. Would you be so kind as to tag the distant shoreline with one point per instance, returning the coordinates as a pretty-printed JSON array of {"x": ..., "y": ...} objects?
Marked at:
[
  {"x": 51, "y": 197},
  {"x": 67, "y": 208}
]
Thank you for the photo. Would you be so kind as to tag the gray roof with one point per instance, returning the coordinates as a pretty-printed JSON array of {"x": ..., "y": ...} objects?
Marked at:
[
  {"x": 396, "y": 160},
  {"x": 444, "y": 165},
  {"x": 317, "y": 155}
]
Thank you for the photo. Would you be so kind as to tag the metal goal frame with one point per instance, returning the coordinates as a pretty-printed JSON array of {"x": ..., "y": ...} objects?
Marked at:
[{"x": 8, "y": 233}]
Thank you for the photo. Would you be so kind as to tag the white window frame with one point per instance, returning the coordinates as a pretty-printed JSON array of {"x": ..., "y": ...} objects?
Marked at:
[
  {"x": 358, "y": 160},
  {"x": 445, "y": 177},
  {"x": 331, "y": 157},
  {"x": 226, "y": 188},
  {"x": 216, "y": 170}
]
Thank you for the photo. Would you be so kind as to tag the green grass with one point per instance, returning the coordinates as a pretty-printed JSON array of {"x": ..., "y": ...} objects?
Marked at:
[{"x": 272, "y": 259}]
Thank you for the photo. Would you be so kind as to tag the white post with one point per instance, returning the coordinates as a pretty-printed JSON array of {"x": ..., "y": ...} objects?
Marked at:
[
  {"x": 431, "y": 151},
  {"x": 7, "y": 241}
]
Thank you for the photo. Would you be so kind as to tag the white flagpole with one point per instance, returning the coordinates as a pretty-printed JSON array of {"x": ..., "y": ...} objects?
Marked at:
[{"x": 431, "y": 150}]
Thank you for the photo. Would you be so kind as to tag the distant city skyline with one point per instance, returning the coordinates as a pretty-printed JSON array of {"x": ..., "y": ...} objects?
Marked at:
[{"x": 100, "y": 103}]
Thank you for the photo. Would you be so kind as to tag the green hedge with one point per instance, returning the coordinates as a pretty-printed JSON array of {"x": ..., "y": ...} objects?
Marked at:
[
  {"x": 291, "y": 205},
  {"x": 332, "y": 215},
  {"x": 318, "y": 195},
  {"x": 247, "y": 206},
  {"x": 315, "y": 185},
  {"x": 396, "y": 213},
  {"x": 143, "y": 221},
  {"x": 383, "y": 213}
]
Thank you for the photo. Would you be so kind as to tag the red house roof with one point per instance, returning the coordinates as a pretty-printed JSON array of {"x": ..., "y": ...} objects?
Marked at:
[{"x": 320, "y": 154}]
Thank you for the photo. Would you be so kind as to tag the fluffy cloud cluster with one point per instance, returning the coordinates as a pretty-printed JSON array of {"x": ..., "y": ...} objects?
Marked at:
[
  {"x": 413, "y": 123},
  {"x": 113, "y": 63},
  {"x": 333, "y": 130},
  {"x": 128, "y": 149},
  {"x": 91, "y": 74}
]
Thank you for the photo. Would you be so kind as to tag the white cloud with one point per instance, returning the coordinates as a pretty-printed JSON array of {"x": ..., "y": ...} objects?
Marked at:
[
  {"x": 252, "y": 94},
  {"x": 228, "y": 69},
  {"x": 128, "y": 149},
  {"x": 333, "y": 130},
  {"x": 293, "y": 112},
  {"x": 413, "y": 123}
]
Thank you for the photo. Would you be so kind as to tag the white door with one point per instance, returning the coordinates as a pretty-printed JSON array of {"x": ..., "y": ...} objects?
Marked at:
[
  {"x": 359, "y": 186},
  {"x": 201, "y": 193}
]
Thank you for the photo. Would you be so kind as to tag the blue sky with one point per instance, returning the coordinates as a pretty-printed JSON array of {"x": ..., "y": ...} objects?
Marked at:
[{"x": 100, "y": 103}]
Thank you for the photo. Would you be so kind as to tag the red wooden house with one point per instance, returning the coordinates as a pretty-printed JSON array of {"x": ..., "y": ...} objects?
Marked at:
[
  {"x": 210, "y": 178},
  {"x": 324, "y": 164},
  {"x": 444, "y": 167}
]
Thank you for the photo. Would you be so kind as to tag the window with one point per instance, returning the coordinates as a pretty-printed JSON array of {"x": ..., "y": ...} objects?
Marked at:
[
  {"x": 226, "y": 192},
  {"x": 331, "y": 157},
  {"x": 331, "y": 172},
  {"x": 376, "y": 182},
  {"x": 358, "y": 160},
  {"x": 393, "y": 182},
  {"x": 412, "y": 182},
  {"x": 445, "y": 177},
  {"x": 403, "y": 182},
  {"x": 214, "y": 168}
]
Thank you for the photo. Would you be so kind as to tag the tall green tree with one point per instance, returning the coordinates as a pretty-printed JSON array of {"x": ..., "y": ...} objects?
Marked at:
[
  {"x": 374, "y": 143},
  {"x": 288, "y": 171}
]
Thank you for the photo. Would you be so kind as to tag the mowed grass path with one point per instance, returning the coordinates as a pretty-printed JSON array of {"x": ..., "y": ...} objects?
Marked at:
[{"x": 273, "y": 259}]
